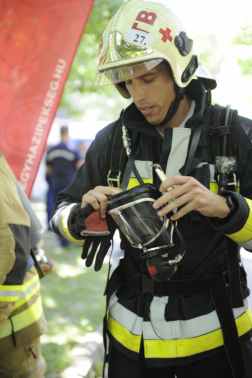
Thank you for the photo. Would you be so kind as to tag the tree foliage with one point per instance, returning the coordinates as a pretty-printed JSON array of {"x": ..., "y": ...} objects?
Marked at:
[
  {"x": 83, "y": 70},
  {"x": 245, "y": 38}
]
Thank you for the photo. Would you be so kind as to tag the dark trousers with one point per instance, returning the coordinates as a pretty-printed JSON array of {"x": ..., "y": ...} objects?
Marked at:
[
  {"x": 215, "y": 366},
  {"x": 53, "y": 190}
]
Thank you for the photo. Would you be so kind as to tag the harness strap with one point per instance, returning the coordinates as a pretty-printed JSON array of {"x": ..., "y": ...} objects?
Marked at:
[
  {"x": 116, "y": 155},
  {"x": 144, "y": 284},
  {"x": 193, "y": 147},
  {"x": 130, "y": 165},
  {"x": 233, "y": 259},
  {"x": 219, "y": 129},
  {"x": 113, "y": 285},
  {"x": 225, "y": 315}
]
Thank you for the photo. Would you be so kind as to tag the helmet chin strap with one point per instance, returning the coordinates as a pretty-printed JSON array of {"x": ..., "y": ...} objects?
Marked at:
[{"x": 174, "y": 105}]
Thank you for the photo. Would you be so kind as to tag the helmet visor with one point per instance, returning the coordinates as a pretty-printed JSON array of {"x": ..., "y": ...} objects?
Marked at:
[{"x": 120, "y": 74}]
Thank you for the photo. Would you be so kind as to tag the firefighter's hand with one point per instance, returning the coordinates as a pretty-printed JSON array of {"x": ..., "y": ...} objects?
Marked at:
[
  {"x": 98, "y": 198},
  {"x": 47, "y": 268},
  {"x": 192, "y": 195}
]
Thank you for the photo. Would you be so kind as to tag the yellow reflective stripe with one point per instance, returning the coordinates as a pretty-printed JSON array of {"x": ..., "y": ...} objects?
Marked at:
[
  {"x": 27, "y": 297},
  {"x": 214, "y": 187},
  {"x": 30, "y": 282},
  {"x": 192, "y": 346},
  {"x": 65, "y": 214},
  {"x": 25, "y": 292},
  {"x": 177, "y": 347},
  {"x": 11, "y": 287},
  {"x": 24, "y": 319},
  {"x": 30, "y": 291},
  {"x": 134, "y": 182},
  {"x": 123, "y": 336},
  {"x": 245, "y": 233}
]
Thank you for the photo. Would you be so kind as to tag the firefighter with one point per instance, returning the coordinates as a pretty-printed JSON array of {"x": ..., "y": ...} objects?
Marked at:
[
  {"x": 22, "y": 320},
  {"x": 197, "y": 323}
]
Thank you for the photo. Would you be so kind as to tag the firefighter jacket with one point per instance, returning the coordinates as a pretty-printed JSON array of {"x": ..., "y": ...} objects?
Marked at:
[
  {"x": 21, "y": 314},
  {"x": 168, "y": 331}
]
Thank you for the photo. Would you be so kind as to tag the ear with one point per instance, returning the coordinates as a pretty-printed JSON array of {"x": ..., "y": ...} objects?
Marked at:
[{"x": 121, "y": 87}]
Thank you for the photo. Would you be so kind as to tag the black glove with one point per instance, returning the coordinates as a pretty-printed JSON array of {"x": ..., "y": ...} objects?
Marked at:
[{"x": 98, "y": 245}]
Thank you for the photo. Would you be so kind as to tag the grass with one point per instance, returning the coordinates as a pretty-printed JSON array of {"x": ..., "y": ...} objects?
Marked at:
[{"x": 73, "y": 303}]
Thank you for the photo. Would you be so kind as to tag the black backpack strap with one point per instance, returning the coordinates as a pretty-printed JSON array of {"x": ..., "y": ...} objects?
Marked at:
[
  {"x": 130, "y": 166},
  {"x": 114, "y": 284},
  {"x": 118, "y": 149},
  {"x": 219, "y": 129},
  {"x": 116, "y": 155},
  {"x": 224, "y": 144},
  {"x": 233, "y": 259}
]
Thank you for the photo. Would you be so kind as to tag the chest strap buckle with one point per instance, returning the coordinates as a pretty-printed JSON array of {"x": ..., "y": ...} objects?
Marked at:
[{"x": 114, "y": 178}]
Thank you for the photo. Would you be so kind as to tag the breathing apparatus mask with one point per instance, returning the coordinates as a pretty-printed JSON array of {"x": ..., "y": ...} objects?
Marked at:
[{"x": 133, "y": 212}]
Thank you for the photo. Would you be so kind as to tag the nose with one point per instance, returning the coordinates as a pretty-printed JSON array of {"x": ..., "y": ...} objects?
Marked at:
[{"x": 138, "y": 92}]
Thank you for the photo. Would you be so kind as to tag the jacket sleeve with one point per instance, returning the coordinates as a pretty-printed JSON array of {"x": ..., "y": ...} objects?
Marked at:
[
  {"x": 239, "y": 228},
  {"x": 9, "y": 294},
  {"x": 14, "y": 232},
  {"x": 91, "y": 174}
]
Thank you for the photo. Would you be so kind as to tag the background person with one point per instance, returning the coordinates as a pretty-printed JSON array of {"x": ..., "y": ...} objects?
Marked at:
[
  {"x": 62, "y": 161},
  {"x": 153, "y": 329}
]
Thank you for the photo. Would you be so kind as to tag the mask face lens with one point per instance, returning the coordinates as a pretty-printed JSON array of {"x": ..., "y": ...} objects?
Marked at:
[{"x": 139, "y": 222}]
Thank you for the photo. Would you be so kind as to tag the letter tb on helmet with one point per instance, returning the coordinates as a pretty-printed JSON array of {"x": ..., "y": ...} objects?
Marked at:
[{"x": 141, "y": 35}]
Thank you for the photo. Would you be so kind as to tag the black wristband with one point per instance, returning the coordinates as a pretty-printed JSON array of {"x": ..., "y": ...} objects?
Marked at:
[{"x": 232, "y": 206}]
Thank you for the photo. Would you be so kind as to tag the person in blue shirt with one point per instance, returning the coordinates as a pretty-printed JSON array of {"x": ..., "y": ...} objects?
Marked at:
[{"x": 62, "y": 161}]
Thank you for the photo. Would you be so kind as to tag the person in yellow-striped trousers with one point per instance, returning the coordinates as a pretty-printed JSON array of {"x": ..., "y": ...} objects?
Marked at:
[{"x": 22, "y": 320}]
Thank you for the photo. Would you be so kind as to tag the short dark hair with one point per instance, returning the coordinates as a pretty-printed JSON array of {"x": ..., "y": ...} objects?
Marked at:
[
  {"x": 168, "y": 67},
  {"x": 64, "y": 130}
]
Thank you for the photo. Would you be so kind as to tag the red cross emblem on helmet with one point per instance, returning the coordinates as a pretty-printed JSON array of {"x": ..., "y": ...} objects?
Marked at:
[{"x": 166, "y": 34}]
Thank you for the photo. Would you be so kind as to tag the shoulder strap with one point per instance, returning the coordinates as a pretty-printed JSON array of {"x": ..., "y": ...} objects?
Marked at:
[
  {"x": 116, "y": 154},
  {"x": 224, "y": 145},
  {"x": 117, "y": 157},
  {"x": 218, "y": 133},
  {"x": 220, "y": 129}
]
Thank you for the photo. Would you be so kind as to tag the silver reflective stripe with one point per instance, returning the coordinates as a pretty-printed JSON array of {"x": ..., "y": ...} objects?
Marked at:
[
  {"x": 185, "y": 329},
  {"x": 65, "y": 154},
  {"x": 28, "y": 290},
  {"x": 125, "y": 317},
  {"x": 179, "y": 147},
  {"x": 246, "y": 245},
  {"x": 63, "y": 214},
  {"x": 169, "y": 330},
  {"x": 9, "y": 293},
  {"x": 143, "y": 168},
  {"x": 211, "y": 169}
]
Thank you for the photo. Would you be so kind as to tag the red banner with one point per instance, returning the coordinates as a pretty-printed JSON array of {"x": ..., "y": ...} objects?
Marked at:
[{"x": 38, "y": 40}]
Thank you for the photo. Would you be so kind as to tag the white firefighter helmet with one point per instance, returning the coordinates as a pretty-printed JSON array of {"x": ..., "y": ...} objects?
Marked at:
[{"x": 141, "y": 35}]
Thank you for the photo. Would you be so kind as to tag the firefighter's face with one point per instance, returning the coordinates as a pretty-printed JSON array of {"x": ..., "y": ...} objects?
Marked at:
[{"x": 153, "y": 93}]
